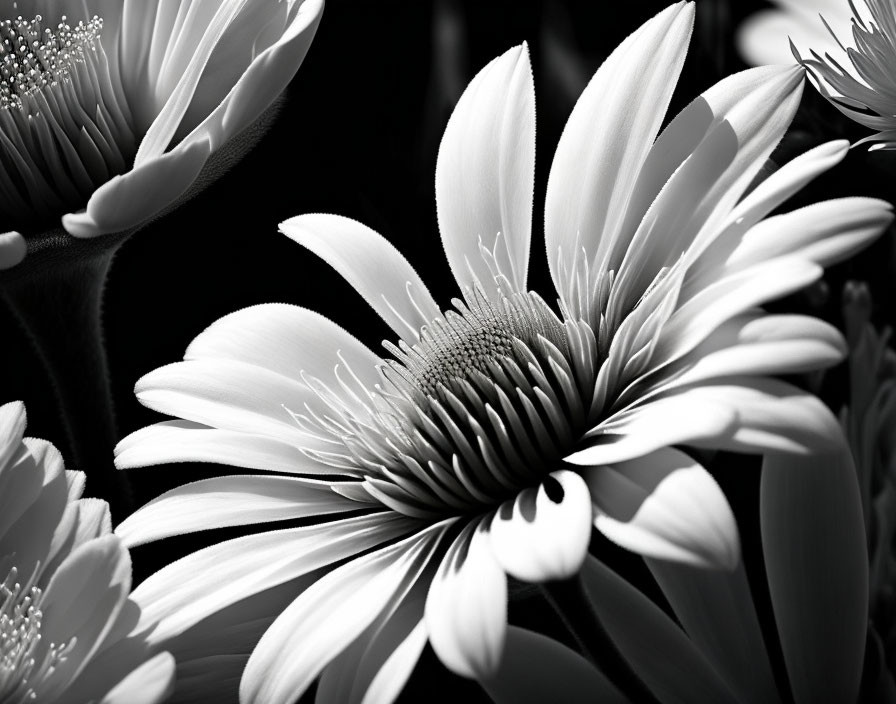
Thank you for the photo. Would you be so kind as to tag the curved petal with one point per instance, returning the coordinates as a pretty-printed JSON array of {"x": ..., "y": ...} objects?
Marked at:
[
  {"x": 129, "y": 200},
  {"x": 327, "y": 616},
  {"x": 184, "y": 441},
  {"x": 229, "y": 501},
  {"x": 764, "y": 37},
  {"x": 672, "y": 667},
  {"x": 689, "y": 417},
  {"x": 544, "y": 533},
  {"x": 606, "y": 140},
  {"x": 12, "y": 427},
  {"x": 665, "y": 505},
  {"x": 466, "y": 610},
  {"x": 813, "y": 538},
  {"x": 373, "y": 267},
  {"x": 717, "y": 611},
  {"x": 12, "y": 249},
  {"x": 186, "y": 591},
  {"x": 485, "y": 174},
  {"x": 151, "y": 683},
  {"x": 537, "y": 669},
  {"x": 287, "y": 340}
]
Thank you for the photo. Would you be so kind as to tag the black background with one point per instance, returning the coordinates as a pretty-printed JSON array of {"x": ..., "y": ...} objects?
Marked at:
[{"x": 358, "y": 136}]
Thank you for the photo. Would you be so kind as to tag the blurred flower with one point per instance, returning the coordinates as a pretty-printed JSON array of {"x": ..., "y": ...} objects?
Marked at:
[
  {"x": 108, "y": 118},
  {"x": 869, "y": 420},
  {"x": 500, "y": 431},
  {"x": 64, "y": 606},
  {"x": 764, "y": 37}
]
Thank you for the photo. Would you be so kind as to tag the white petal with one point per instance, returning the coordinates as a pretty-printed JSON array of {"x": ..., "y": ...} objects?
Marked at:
[
  {"x": 184, "y": 592},
  {"x": 372, "y": 266},
  {"x": 82, "y": 601},
  {"x": 12, "y": 428},
  {"x": 466, "y": 610},
  {"x": 229, "y": 395},
  {"x": 665, "y": 505},
  {"x": 287, "y": 340},
  {"x": 131, "y": 199},
  {"x": 537, "y": 669},
  {"x": 825, "y": 233},
  {"x": 184, "y": 441},
  {"x": 717, "y": 611},
  {"x": 328, "y": 616},
  {"x": 607, "y": 138},
  {"x": 485, "y": 173},
  {"x": 544, "y": 533},
  {"x": 764, "y": 38},
  {"x": 229, "y": 501},
  {"x": 813, "y": 539},
  {"x": 83, "y": 520},
  {"x": 151, "y": 683},
  {"x": 12, "y": 249},
  {"x": 683, "y": 418},
  {"x": 670, "y": 664},
  {"x": 394, "y": 673}
]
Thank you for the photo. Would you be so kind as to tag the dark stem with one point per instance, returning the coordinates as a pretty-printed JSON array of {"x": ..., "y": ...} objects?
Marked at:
[
  {"x": 569, "y": 600},
  {"x": 60, "y": 305}
]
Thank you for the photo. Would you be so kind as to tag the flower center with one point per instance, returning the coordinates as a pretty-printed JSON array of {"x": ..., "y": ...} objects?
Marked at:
[
  {"x": 22, "y": 667},
  {"x": 489, "y": 401},
  {"x": 65, "y": 127}
]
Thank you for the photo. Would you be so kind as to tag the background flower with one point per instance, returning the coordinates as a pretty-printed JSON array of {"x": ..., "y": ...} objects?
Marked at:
[
  {"x": 64, "y": 606},
  {"x": 461, "y": 436}
]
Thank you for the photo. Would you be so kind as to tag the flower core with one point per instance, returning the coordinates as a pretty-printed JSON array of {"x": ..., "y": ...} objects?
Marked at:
[
  {"x": 65, "y": 127},
  {"x": 485, "y": 405},
  {"x": 23, "y": 663}
]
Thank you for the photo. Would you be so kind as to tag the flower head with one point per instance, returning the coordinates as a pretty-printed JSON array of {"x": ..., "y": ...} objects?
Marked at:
[
  {"x": 109, "y": 112},
  {"x": 64, "y": 606},
  {"x": 499, "y": 431},
  {"x": 863, "y": 91}
]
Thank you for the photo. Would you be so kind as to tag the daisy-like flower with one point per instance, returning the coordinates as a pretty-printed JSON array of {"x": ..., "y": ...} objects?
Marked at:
[
  {"x": 64, "y": 605},
  {"x": 111, "y": 111},
  {"x": 499, "y": 432},
  {"x": 764, "y": 37}
]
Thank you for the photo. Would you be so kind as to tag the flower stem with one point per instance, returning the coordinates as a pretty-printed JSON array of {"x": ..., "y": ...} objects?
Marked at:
[
  {"x": 569, "y": 600},
  {"x": 60, "y": 305}
]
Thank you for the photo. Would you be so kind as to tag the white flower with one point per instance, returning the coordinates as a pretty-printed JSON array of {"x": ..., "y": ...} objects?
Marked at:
[
  {"x": 64, "y": 606},
  {"x": 501, "y": 431},
  {"x": 109, "y": 111},
  {"x": 764, "y": 37}
]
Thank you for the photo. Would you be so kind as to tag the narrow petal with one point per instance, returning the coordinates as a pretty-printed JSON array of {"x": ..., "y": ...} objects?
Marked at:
[
  {"x": 151, "y": 683},
  {"x": 12, "y": 428},
  {"x": 466, "y": 611},
  {"x": 665, "y": 505},
  {"x": 328, "y": 616},
  {"x": 220, "y": 502},
  {"x": 763, "y": 38},
  {"x": 372, "y": 266},
  {"x": 674, "y": 669},
  {"x": 184, "y": 441},
  {"x": 485, "y": 174},
  {"x": 544, "y": 533},
  {"x": 537, "y": 669},
  {"x": 687, "y": 417},
  {"x": 813, "y": 538},
  {"x": 186, "y": 591},
  {"x": 717, "y": 611},
  {"x": 607, "y": 138},
  {"x": 287, "y": 340}
]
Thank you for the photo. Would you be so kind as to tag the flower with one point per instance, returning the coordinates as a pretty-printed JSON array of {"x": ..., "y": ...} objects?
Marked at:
[
  {"x": 500, "y": 431},
  {"x": 865, "y": 94},
  {"x": 764, "y": 37},
  {"x": 108, "y": 119},
  {"x": 64, "y": 603}
]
